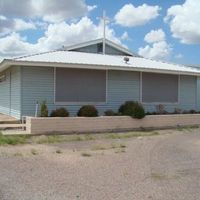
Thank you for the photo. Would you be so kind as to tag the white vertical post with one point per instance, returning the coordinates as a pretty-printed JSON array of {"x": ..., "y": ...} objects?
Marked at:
[
  {"x": 36, "y": 109},
  {"x": 105, "y": 20},
  {"x": 104, "y": 32}
]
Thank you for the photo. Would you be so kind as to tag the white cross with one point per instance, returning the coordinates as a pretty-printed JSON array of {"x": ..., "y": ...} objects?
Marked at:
[{"x": 105, "y": 20}]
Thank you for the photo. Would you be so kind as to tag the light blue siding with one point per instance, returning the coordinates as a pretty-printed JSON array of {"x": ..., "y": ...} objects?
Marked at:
[
  {"x": 88, "y": 49},
  {"x": 188, "y": 92},
  {"x": 10, "y": 96},
  {"x": 122, "y": 86},
  {"x": 38, "y": 85},
  {"x": 112, "y": 51},
  {"x": 5, "y": 93},
  {"x": 187, "y": 96},
  {"x": 94, "y": 49},
  {"x": 198, "y": 93},
  {"x": 15, "y": 91}
]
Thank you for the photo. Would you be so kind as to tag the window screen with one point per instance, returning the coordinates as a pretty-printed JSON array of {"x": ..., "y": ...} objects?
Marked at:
[
  {"x": 161, "y": 88},
  {"x": 80, "y": 85}
]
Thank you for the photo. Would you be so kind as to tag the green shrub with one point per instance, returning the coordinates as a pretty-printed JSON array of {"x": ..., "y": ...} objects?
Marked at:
[
  {"x": 110, "y": 113},
  {"x": 60, "y": 112},
  {"x": 133, "y": 109},
  {"x": 43, "y": 110},
  {"x": 193, "y": 111},
  {"x": 87, "y": 111}
]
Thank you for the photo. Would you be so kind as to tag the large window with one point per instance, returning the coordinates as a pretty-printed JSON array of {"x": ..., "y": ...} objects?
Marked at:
[
  {"x": 80, "y": 86},
  {"x": 159, "y": 88}
]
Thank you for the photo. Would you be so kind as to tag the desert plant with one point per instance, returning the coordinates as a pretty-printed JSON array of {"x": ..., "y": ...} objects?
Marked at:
[
  {"x": 177, "y": 111},
  {"x": 161, "y": 109},
  {"x": 133, "y": 109},
  {"x": 43, "y": 109},
  {"x": 87, "y": 111},
  {"x": 110, "y": 113},
  {"x": 60, "y": 112}
]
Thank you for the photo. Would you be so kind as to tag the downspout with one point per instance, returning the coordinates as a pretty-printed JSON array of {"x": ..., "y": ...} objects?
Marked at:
[
  {"x": 10, "y": 93},
  {"x": 21, "y": 92}
]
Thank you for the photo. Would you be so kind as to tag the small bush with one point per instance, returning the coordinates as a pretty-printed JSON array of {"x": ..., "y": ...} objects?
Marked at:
[
  {"x": 185, "y": 112},
  {"x": 60, "y": 112},
  {"x": 149, "y": 113},
  {"x": 193, "y": 111},
  {"x": 133, "y": 109},
  {"x": 87, "y": 111},
  {"x": 110, "y": 113},
  {"x": 43, "y": 110}
]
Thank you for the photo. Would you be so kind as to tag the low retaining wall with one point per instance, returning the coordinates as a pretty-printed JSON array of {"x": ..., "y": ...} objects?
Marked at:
[{"x": 41, "y": 125}]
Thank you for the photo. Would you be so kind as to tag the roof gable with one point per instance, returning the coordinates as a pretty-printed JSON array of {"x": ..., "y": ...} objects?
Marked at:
[{"x": 96, "y": 46}]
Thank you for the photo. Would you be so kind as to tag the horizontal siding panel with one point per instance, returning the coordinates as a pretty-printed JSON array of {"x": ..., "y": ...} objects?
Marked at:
[
  {"x": 15, "y": 92},
  {"x": 38, "y": 85},
  {"x": 5, "y": 94},
  {"x": 187, "y": 96}
]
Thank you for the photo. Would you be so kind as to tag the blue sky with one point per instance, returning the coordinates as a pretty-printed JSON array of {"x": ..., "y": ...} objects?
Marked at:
[{"x": 165, "y": 30}]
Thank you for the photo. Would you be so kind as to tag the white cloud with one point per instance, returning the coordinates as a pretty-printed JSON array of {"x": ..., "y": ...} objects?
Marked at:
[
  {"x": 12, "y": 25},
  {"x": 155, "y": 36},
  {"x": 131, "y": 16},
  {"x": 56, "y": 11},
  {"x": 13, "y": 14},
  {"x": 23, "y": 25},
  {"x": 66, "y": 34},
  {"x": 52, "y": 11},
  {"x": 91, "y": 8},
  {"x": 55, "y": 36},
  {"x": 125, "y": 36},
  {"x": 15, "y": 45},
  {"x": 184, "y": 21},
  {"x": 157, "y": 48},
  {"x": 178, "y": 56},
  {"x": 2, "y": 17}
]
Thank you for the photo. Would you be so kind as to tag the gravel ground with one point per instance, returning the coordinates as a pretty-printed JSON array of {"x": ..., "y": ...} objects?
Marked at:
[{"x": 164, "y": 167}]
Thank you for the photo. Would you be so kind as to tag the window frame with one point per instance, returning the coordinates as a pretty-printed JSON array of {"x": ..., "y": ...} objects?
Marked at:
[
  {"x": 156, "y": 103},
  {"x": 80, "y": 103}
]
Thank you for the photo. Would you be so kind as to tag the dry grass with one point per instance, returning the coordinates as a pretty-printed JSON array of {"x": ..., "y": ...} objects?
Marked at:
[
  {"x": 49, "y": 139},
  {"x": 108, "y": 146},
  {"x": 85, "y": 154},
  {"x": 131, "y": 134}
]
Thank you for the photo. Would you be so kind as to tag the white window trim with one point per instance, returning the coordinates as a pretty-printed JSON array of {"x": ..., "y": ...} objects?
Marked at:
[
  {"x": 80, "y": 103},
  {"x": 156, "y": 103}
]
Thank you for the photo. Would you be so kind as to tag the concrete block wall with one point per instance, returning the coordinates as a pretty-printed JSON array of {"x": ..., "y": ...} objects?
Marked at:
[{"x": 106, "y": 123}]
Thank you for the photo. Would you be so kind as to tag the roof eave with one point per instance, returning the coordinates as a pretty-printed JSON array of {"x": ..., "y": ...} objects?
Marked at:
[{"x": 7, "y": 63}]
